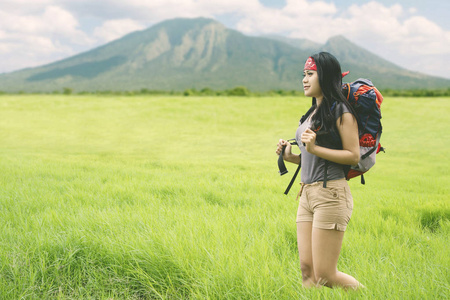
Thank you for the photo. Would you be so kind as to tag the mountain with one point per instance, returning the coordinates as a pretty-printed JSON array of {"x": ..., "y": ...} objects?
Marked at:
[
  {"x": 172, "y": 55},
  {"x": 303, "y": 44},
  {"x": 196, "y": 53},
  {"x": 383, "y": 73}
]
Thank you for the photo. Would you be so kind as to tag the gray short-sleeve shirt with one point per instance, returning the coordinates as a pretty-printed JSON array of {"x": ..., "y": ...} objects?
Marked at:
[{"x": 313, "y": 166}]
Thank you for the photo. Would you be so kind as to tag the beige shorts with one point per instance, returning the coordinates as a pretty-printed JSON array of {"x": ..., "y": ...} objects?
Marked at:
[{"x": 327, "y": 208}]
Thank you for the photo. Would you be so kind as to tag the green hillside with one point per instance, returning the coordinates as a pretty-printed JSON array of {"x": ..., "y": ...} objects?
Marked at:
[{"x": 196, "y": 53}]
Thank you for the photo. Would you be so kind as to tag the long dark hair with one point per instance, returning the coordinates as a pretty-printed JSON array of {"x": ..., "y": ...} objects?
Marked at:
[{"x": 330, "y": 80}]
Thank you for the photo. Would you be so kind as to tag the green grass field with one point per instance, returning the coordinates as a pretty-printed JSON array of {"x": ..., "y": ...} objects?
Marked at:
[{"x": 180, "y": 198}]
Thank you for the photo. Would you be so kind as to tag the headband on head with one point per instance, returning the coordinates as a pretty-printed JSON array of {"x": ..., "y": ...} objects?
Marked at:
[{"x": 311, "y": 65}]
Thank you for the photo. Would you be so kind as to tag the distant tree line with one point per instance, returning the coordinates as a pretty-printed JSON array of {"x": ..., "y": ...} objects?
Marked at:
[
  {"x": 416, "y": 93},
  {"x": 237, "y": 91}
]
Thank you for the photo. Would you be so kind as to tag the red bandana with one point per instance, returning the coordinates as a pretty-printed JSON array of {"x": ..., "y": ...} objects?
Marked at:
[{"x": 310, "y": 64}]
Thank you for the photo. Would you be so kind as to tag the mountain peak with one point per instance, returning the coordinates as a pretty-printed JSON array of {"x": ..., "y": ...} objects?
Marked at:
[
  {"x": 338, "y": 39},
  {"x": 303, "y": 44},
  {"x": 185, "y": 23},
  {"x": 338, "y": 42}
]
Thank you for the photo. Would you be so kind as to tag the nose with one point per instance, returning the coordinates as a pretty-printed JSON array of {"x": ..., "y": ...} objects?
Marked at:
[{"x": 305, "y": 79}]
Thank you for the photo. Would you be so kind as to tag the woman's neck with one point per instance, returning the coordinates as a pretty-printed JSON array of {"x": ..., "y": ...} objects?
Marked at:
[{"x": 318, "y": 101}]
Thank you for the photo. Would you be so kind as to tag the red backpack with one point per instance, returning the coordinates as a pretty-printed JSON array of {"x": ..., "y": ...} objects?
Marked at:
[{"x": 366, "y": 100}]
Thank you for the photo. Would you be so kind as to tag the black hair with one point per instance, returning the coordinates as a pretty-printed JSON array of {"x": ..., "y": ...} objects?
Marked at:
[{"x": 330, "y": 81}]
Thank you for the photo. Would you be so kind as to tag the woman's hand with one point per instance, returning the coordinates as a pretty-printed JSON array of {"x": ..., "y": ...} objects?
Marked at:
[
  {"x": 348, "y": 131},
  {"x": 288, "y": 155},
  {"x": 309, "y": 140},
  {"x": 287, "y": 152}
]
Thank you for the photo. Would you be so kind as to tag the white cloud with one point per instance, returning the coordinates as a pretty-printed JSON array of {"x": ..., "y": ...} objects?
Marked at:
[
  {"x": 377, "y": 24},
  {"x": 22, "y": 51},
  {"x": 298, "y": 18},
  {"x": 52, "y": 20},
  {"x": 398, "y": 35},
  {"x": 412, "y": 10},
  {"x": 24, "y": 6},
  {"x": 151, "y": 12},
  {"x": 303, "y": 8},
  {"x": 38, "y": 36}
]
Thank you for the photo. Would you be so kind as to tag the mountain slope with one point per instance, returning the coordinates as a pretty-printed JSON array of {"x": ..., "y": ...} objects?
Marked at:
[{"x": 196, "y": 53}]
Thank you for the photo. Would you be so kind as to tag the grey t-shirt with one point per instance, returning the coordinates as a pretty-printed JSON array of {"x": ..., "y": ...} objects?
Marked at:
[{"x": 313, "y": 166}]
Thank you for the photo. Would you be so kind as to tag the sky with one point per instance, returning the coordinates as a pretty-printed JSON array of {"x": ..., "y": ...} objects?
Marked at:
[{"x": 412, "y": 34}]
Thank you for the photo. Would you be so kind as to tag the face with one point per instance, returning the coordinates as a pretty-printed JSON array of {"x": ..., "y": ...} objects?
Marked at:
[{"x": 311, "y": 84}]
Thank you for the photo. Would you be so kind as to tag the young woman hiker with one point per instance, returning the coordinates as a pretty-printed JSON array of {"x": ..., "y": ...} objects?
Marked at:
[{"x": 324, "y": 209}]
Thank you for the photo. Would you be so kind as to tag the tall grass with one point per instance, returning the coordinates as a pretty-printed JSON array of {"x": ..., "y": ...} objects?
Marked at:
[{"x": 179, "y": 198}]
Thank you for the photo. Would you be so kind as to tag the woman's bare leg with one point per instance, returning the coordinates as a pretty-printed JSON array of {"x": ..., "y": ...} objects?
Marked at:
[
  {"x": 326, "y": 247},
  {"x": 304, "y": 233}
]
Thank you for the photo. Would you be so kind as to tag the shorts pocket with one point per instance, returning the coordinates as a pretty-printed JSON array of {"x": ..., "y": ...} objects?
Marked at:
[
  {"x": 331, "y": 198},
  {"x": 329, "y": 193}
]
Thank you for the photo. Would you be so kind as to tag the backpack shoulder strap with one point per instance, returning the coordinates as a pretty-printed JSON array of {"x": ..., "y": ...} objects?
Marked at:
[
  {"x": 348, "y": 90},
  {"x": 293, "y": 179},
  {"x": 305, "y": 116}
]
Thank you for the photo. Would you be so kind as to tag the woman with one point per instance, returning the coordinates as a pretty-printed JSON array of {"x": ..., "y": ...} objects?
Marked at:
[{"x": 328, "y": 139}]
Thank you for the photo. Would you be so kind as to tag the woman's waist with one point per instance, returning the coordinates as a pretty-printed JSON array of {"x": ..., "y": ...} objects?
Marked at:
[{"x": 330, "y": 183}]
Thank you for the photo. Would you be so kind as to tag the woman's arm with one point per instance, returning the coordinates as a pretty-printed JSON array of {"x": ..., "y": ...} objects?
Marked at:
[
  {"x": 348, "y": 131},
  {"x": 288, "y": 155}
]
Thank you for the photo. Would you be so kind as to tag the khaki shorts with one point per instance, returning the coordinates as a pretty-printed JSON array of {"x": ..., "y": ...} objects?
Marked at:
[{"x": 327, "y": 208}]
